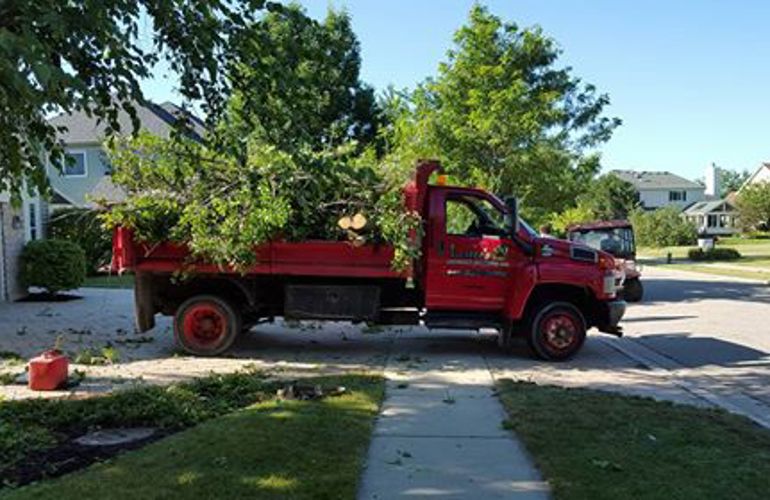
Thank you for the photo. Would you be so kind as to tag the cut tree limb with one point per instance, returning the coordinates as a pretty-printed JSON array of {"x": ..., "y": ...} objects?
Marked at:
[
  {"x": 345, "y": 223},
  {"x": 358, "y": 222}
]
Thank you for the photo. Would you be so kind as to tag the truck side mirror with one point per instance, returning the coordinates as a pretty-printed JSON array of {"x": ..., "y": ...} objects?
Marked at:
[{"x": 512, "y": 217}]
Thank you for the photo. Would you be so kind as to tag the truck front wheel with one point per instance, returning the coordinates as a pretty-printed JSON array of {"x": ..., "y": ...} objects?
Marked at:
[
  {"x": 557, "y": 331},
  {"x": 206, "y": 325}
]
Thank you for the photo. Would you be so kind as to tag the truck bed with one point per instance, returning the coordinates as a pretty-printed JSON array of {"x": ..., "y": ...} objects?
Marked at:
[{"x": 307, "y": 258}]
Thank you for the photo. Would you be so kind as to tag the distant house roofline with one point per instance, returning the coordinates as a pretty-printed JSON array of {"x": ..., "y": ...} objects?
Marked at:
[
  {"x": 762, "y": 166},
  {"x": 157, "y": 119},
  {"x": 655, "y": 180}
]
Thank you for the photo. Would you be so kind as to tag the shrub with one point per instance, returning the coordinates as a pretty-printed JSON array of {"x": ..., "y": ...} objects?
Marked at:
[
  {"x": 699, "y": 254},
  {"x": 55, "y": 265},
  {"x": 662, "y": 228},
  {"x": 83, "y": 226}
]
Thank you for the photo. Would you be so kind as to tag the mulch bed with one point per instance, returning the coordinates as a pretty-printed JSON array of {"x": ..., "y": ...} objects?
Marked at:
[{"x": 67, "y": 457}]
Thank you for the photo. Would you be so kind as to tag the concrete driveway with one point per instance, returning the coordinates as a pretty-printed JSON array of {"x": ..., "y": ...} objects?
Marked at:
[{"x": 695, "y": 339}]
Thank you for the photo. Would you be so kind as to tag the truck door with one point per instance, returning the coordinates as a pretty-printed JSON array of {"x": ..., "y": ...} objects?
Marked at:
[{"x": 469, "y": 253}]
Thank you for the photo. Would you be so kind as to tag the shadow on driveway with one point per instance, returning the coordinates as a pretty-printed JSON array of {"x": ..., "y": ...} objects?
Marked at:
[
  {"x": 694, "y": 352},
  {"x": 688, "y": 290}
]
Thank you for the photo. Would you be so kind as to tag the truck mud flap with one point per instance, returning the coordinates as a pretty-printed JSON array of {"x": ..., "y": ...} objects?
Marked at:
[{"x": 143, "y": 302}]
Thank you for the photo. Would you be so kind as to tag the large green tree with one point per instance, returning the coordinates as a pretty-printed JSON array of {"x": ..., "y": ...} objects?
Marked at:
[
  {"x": 753, "y": 204},
  {"x": 730, "y": 181},
  {"x": 296, "y": 83},
  {"x": 504, "y": 114},
  {"x": 610, "y": 197},
  {"x": 91, "y": 55}
]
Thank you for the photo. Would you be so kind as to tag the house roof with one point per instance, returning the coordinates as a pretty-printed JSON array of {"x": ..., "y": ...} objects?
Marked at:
[
  {"x": 705, "y": 207},
  {"x": 656, "y": 180},
  {"x": 59, "y": 199},
  {"x": 750, "y": 180},
  {"x": 157, "y": 119},
  {"x": 105, "y": 193}
]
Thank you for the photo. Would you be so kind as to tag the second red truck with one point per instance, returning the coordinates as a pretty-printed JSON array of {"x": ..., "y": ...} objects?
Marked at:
[{"x": 481, "y": 266}]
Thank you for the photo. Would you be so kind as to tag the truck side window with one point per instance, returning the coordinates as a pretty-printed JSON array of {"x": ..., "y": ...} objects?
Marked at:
[
  {"x": 472, "y": 216},
  {"x": 459, "y": 218}
]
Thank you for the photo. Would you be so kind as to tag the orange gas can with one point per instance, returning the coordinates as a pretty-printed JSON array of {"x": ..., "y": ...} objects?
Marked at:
[{"x": 49, "y": 371}]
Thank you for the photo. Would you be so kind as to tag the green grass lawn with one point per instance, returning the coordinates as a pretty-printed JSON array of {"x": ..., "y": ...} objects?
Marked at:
[
  {"x": 750, "y": 274},
  {"x": 596, "y": 445},
  {"x": 755, "y": 254},
  {"x": 240, "y": 441},
  {"x": 110, "y": 281}
]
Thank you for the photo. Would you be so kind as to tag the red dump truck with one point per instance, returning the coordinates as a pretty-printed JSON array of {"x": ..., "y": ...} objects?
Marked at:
[{"x": 481, "y": 266}]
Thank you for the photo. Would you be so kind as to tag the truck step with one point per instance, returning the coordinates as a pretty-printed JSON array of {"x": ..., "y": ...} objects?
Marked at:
[{"x": 461, "y": 320}]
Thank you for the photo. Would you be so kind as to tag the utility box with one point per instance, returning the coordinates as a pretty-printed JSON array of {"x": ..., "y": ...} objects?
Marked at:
[
  {"x": 705, "y": 242},
  {"x": 49, "y": 371}
]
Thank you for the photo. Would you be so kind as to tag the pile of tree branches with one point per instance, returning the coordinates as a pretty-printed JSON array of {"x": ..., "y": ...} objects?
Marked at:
[{"x": 221, "y": 206}]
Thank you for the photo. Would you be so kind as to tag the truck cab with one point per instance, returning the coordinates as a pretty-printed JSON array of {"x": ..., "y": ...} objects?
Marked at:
[{"x": 480, "y": 266}]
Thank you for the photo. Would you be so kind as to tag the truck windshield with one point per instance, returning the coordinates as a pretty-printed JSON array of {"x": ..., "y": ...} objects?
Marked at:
[{"x": 615, "y": 241}]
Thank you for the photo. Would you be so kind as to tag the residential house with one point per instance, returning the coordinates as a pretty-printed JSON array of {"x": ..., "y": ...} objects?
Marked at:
[
  {"x": 714, "y": 218},
  {"x": 88, "y": 174},
  {"x": 662, "y": 189}
]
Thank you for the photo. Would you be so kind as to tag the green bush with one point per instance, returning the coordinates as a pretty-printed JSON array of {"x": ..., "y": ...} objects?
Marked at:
[
  {"x": 713, "y": 254},
  {"x": 662, "y": 228},
  {"x": 55, "y": 265},
  {"x": 84, "y": 227}
]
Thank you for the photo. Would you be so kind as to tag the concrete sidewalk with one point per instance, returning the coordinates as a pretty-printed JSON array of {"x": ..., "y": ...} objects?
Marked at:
[{"x": 440, "y": 430}]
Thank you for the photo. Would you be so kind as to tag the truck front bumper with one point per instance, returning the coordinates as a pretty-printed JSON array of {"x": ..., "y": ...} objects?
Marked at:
[{"x": 611, "y": 316}]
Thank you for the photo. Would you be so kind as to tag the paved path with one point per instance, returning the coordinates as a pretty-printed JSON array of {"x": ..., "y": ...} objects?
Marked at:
[{"x": 440, "y": 430}]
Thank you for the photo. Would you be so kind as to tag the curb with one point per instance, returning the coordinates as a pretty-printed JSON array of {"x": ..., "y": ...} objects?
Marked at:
[{"x": 737, "y": 403}]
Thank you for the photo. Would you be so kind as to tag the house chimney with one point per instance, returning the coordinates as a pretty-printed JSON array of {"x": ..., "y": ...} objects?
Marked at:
[{"x": 712, "y": 181}]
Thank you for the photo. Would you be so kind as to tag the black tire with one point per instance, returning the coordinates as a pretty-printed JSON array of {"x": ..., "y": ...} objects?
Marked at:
[
  {"x": 633, "y": 291},
  {"x": 557, "y": 331},
  {"x": 206, "y": 325}
]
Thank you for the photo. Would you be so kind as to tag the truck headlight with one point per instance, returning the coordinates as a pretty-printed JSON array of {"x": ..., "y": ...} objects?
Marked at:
[{"x": 613, "y": 281}]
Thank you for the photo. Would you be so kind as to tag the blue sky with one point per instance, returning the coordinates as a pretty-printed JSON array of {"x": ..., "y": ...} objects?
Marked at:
[{"x": 690, "y": 79}]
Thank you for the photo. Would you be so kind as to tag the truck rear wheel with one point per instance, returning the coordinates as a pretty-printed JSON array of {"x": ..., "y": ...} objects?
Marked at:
[
  {"x": 206, "y": 325},
  {"x": 633, "y": 290},
  {"x": 557, "y": 331}
]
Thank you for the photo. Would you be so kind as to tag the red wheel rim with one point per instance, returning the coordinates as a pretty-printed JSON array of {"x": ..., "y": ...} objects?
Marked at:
[
  {"x": 204, "y": 325},
  {"x": 560, "y": 331}
]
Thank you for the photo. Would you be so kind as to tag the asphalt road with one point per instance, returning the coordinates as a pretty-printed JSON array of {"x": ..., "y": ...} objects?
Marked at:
[{"x": 714, "y": 331}]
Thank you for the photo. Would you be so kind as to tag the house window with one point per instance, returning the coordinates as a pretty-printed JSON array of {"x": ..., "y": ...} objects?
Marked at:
[
  {"x": 712, "y": 221},
  {"x": 677, "y": 196},
  {"x": 75, "y": 166},
  {"x": 32, "y": 222}
]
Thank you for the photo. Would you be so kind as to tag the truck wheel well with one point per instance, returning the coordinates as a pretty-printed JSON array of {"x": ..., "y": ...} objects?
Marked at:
[
  {"x": 581, "y": 297},
  {"x": 234, "y": 291}
]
